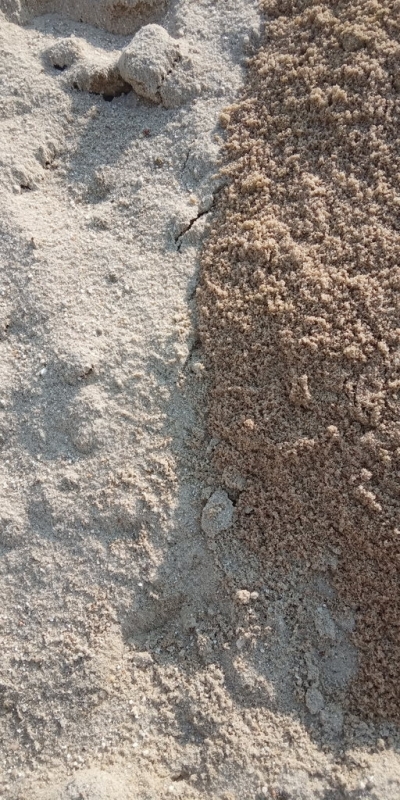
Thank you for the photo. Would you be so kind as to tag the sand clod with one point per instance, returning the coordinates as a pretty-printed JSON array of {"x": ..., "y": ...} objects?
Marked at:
[{"x": 146, "y": 61}]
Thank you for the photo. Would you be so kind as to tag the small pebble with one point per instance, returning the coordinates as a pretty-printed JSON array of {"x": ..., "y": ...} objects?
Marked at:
[{"x": 243, "y": 597}]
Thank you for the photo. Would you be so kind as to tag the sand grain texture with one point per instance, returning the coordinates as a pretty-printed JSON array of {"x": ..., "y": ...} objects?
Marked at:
[
  {"x": 299, "y": 311},
  {"x": 146, "y": 652}
]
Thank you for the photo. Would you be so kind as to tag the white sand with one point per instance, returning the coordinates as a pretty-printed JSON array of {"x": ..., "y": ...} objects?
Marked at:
[{"x": 139, "y": 658}]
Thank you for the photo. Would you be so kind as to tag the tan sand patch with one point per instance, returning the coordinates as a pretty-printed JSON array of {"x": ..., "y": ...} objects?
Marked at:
[{"x": 299, "y": 311}]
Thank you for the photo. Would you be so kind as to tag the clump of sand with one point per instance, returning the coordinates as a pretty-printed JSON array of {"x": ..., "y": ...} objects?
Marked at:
[{"x": 299, "y": 316}]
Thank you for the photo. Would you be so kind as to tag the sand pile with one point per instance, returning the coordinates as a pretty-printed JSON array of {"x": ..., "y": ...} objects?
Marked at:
[
  {"x": 117, "y": 16},
  {"x": 299, "y": 313}
]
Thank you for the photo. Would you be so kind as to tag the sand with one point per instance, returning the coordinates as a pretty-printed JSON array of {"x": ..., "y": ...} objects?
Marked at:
[
  {"x": 146, "y": 650},
  {"x": 300, "y": 315}
]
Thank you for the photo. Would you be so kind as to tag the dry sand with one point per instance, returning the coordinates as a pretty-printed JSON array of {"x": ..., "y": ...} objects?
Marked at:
[
  {"x": 300, "y": 313},
  {"x": 146, "y": 651}
]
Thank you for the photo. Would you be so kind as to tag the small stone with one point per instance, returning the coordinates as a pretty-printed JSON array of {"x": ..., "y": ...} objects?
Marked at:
[
  {"x": 353, "y": 38},
  {"x": 380, "y": 744},
  {"x": 217, "y": 514},
  {"x": 243, "y": 597},
  {"x": 314, "y": 700},
  {"x": 197, "y": 368}
]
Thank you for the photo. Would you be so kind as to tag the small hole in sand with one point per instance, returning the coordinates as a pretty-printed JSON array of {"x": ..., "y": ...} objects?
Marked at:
[
  {"x": 60, "y": 67},
  {"x": 108, "y": 97}
]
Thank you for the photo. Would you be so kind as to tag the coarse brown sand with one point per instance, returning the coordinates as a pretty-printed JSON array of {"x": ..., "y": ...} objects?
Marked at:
[{"x": 299, "y": 311}]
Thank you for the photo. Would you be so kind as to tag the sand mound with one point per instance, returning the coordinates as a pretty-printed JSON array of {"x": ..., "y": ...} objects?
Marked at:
[
  {"x": 299, "y": 312},
  {"x": 116, "y": 16}
]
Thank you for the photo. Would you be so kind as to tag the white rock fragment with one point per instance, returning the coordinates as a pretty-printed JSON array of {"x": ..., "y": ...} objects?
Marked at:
[
  {"x": 148, "y": 59},
  {"x": 197, "y": 368},
  {"x": 206, "y": 202},
  {"x": 217, "y": 514},
  {"x": 243, "y": 597},
  {"x": 314, "y": 700}
]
